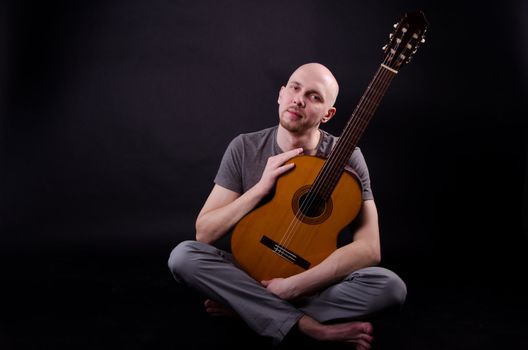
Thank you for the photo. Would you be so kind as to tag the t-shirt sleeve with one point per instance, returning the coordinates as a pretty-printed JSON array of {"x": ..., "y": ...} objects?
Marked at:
[
  {"x": 229, "y": 172},
  {"x": 359, "y": 165}
]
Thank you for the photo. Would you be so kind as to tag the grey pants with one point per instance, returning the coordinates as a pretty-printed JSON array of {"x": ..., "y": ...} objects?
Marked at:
[{"x": 213, "y": 273}]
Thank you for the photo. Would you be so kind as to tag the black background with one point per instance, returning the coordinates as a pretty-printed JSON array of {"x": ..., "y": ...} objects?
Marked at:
[{"x": 114, "y": 117}]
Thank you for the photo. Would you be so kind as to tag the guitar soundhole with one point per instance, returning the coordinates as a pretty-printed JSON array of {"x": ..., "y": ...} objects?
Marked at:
[{"x": 310, "y": 207}]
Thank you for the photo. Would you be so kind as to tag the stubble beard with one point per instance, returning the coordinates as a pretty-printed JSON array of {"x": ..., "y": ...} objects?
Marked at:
[
  {"x": 291, "y": 127},
  {"x": 296, "y": 127}
]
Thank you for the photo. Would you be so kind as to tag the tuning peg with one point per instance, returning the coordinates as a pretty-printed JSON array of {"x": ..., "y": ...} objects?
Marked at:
[
  {"x": 384, "y": 48},
  {"x": 391, "y": 35},
  {"x": 423, "y": 40},
  {"x": 395, "y": 25}
]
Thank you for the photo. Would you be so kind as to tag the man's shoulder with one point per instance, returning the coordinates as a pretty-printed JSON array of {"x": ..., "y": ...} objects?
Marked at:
[
  {"x": 329, "y": 141},
  {"x": 256, "y": 138},
  {"x": 325, "y": 134},
  {"x": 259, "y": 134}
]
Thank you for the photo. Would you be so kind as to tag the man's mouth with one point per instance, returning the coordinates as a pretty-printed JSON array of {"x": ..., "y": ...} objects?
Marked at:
[{"x": 294, "y": 113}]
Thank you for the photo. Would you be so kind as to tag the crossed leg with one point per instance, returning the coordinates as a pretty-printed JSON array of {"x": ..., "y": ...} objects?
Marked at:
[{"x": 355, "y": 333}]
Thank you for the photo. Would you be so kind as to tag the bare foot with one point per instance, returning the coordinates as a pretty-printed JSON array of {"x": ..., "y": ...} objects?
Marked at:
[
  {"x": 357, "y": 333},
  {"x": 215, "y": 308}
]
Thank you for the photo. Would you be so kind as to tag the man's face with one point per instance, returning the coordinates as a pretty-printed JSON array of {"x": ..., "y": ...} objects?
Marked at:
[{"x": 306, "y": 100}]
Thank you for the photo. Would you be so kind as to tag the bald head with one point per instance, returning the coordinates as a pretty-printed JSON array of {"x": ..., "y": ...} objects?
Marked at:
[{"x": 322, "y": 75}]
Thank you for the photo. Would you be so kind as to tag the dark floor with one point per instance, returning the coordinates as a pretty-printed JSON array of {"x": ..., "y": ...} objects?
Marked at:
[{"x": 129, "y": 301}]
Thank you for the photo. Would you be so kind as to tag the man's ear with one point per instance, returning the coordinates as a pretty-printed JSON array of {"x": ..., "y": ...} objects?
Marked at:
[
  {"x": 331, "y": 112},
  {"x": 280, "y": 94}
]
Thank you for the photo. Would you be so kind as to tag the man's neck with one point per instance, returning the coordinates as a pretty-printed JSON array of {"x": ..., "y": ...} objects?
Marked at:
[{"x": 308, "y": 140}]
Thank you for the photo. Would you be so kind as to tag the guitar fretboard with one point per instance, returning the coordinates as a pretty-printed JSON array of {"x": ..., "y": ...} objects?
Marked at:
[{"x": 334, "y": 166}]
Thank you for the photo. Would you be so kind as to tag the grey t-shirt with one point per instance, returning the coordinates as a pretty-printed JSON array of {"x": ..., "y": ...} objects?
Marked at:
[{"x": 247, "y": 154}]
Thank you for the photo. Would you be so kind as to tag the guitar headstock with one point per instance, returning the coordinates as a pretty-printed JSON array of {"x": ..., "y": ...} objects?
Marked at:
[{"x": 409, "y": 33}]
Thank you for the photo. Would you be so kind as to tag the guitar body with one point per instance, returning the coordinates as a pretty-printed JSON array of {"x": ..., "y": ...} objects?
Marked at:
[{"x": 278, "y": 240}]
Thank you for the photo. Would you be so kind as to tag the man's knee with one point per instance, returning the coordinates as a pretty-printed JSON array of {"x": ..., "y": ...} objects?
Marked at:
[
  {"x": 392, "y": 290},
  {"x": 396, "y": 289},
  {"x": 180, "y": 259}
]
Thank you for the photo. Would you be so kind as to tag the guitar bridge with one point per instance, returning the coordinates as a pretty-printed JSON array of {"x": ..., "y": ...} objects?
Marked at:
[{"x": 285, "y": 253}]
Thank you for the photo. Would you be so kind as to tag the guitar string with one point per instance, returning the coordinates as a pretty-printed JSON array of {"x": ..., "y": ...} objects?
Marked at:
[
  {"x": 366, "y": 106},
  {"x": 300, "y": 214},
  {"x": 371, "y": 104},
  {"x": 340, "y": 153},
  {"x": 370, "y": 107},
  {"x": 366, "y": 109}
]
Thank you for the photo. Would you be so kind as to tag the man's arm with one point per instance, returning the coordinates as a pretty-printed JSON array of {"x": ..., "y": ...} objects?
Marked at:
[
  {"x": 224, "y": 208},
  {"x": 364, "y": 251},
  {"x": 221, "y": 211}
]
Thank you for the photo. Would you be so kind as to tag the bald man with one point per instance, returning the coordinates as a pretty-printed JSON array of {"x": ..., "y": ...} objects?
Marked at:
[{"x": 331, "y": 301}]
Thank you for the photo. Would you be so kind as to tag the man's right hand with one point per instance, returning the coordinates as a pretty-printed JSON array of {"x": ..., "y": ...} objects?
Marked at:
[
  {"x": 224, "y": 208},
  {"x": 275, "y": 167}
]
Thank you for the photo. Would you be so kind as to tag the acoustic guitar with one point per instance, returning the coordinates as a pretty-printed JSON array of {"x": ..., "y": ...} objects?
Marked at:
[{"x": 298, "y": 226}]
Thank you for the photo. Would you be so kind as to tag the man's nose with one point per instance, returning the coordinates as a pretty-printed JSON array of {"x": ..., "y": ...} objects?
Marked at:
[{"x": 298, "y": 100}]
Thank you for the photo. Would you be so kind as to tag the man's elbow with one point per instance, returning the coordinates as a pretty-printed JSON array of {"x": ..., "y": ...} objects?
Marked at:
[
  {"x": 376, "y": 259},
  {"x": 206, "y": 233},
  {"x": 374, "y": 255},
  {"x": 201, "y": 235}
]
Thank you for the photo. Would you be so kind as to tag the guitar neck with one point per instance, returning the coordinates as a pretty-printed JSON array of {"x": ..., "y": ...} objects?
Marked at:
[
  {"x": 409, "y": 33},
  {"x": 356, "y": 125},
  {"x": 362, "y": 115}
]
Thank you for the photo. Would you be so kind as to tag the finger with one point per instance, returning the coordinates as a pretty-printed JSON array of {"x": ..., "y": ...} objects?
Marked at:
[
  {"x": 282, "y": 169},
  {"x": 283, "y": 157}
]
